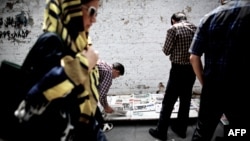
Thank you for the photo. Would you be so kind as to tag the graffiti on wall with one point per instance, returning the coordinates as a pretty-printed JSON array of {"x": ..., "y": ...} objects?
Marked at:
[
  {"x": 18, "y": 21},
  {"x": 13, "y": 35},
  {"x": 15, "y": 22}
]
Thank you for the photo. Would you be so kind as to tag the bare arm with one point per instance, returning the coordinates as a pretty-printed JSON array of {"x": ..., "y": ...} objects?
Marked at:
[
  {"x": 197, "y": 66},
  {"x": 92, "y": 56}
]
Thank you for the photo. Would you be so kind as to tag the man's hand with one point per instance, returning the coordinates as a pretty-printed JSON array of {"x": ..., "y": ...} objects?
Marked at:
[{"x": 108, "y": 109}]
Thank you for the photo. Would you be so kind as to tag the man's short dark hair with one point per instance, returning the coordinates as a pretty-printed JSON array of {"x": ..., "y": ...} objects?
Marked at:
[
  {"x": 119, "y": 67},
  {"x": 178, "y": 16}
]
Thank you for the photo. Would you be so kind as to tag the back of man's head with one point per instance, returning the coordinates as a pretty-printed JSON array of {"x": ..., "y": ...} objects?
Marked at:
[
  {"x": 119, "y": 67},
  {"x": 178, "y": 16}
]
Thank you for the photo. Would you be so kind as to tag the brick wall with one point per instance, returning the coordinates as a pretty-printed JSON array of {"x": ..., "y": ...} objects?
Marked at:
[{"x": 128, "y": 31}]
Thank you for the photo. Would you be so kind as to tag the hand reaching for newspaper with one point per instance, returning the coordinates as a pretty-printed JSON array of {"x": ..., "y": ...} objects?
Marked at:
[{"x": 108, "y": 109}]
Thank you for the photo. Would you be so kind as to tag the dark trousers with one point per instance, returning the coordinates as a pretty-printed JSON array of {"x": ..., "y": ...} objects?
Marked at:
[
  {"x": 218, "y": 97},
  {"x": 180, "y": 84}
]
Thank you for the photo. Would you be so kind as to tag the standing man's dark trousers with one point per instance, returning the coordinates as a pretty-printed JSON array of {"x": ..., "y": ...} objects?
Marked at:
[
  {"x": 222, "y": 97},
  {"x": 180, "y": 84}
]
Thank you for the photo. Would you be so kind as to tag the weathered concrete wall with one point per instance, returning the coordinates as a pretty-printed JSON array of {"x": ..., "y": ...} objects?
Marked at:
[{"x": 128, "y": 31}]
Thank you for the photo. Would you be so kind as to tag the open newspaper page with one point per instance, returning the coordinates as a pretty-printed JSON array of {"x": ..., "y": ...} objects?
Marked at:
[{"x": 143, "y": 106}]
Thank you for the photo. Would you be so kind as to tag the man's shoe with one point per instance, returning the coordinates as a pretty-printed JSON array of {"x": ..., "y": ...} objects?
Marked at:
[
  {"x": 219, "y": 139},
  {"x": 107, "y": 127},
  {"x": 178, "y": 132},
  {"x": 156, "y": 134}
]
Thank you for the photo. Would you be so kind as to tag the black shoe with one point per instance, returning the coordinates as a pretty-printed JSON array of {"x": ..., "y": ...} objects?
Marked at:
[
  {"x": 178, "y": 132},
  {"x": 219, "y": 139},
  {"x": 156, "y": 134}
]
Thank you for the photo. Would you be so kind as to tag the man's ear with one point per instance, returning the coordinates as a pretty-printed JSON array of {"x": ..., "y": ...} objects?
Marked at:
[
  {"x": 117, "y": 71},
  {"x": 223, "y": 2}
]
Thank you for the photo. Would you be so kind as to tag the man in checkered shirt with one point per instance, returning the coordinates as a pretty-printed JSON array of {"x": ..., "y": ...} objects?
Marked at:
[{"x": 107, "y": 73}]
